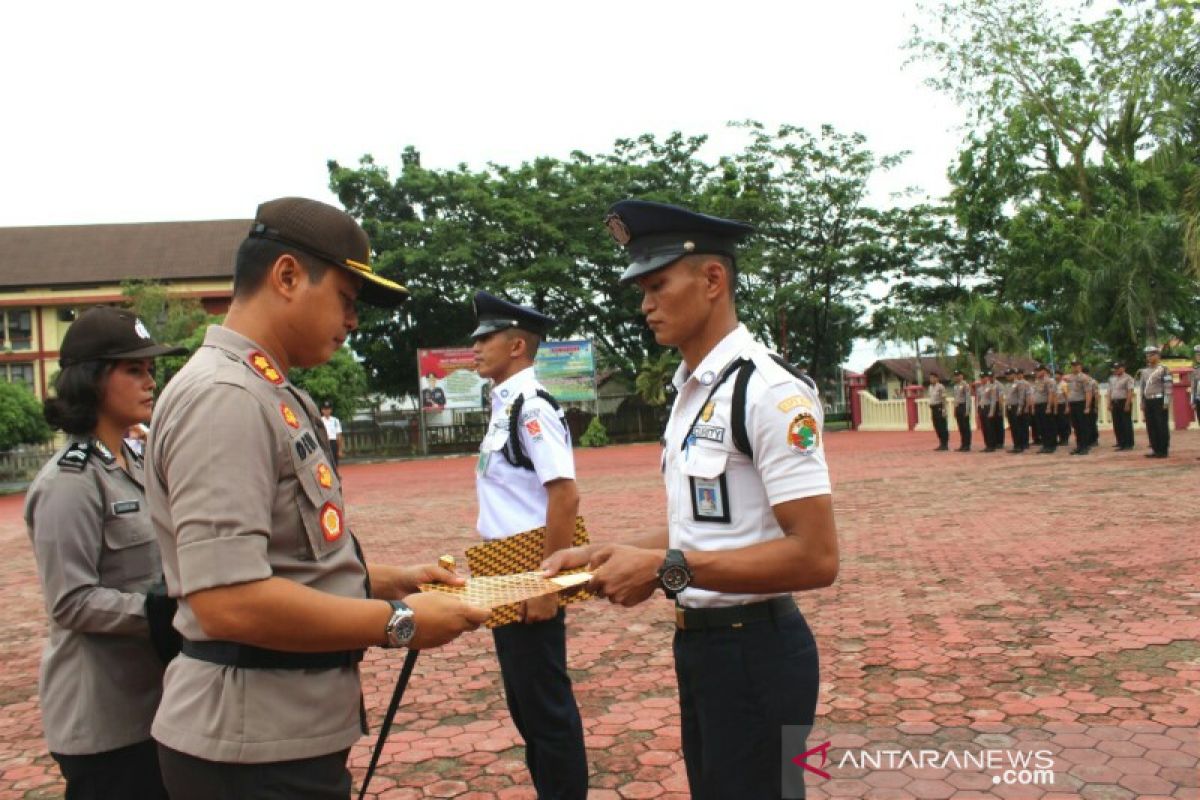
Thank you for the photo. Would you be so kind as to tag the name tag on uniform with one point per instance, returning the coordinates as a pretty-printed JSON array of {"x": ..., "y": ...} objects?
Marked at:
[
  {"x": 710, "y": 499},
  {"x": 125, "y": 506}
]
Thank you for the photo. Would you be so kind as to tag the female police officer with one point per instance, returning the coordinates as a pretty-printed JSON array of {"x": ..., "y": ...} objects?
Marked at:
[{"x": 97, "y": 557}]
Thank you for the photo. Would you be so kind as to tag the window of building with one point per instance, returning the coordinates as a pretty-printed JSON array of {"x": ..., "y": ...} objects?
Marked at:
[
  {"x": 18, "y": 373},
  {"x": 18, "y": 328}
]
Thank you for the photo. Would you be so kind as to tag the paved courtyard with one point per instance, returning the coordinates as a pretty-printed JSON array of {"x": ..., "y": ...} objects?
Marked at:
[{"x": 986, "y": 602}]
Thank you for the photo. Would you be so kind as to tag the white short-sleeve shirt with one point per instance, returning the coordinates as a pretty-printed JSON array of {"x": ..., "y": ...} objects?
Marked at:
[
  {"x": 513, "y": 499},
  {"x": 333, "y": 426},
  {"x": 718, "y": 498}
]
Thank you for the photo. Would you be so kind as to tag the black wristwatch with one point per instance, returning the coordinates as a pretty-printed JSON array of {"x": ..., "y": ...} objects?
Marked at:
[
  {"x": 402, "y": 626},
  {"x": 674, "y": 575}
]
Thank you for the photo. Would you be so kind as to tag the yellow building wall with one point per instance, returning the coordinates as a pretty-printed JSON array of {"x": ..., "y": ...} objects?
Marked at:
[{"x": 47, "y": 336}]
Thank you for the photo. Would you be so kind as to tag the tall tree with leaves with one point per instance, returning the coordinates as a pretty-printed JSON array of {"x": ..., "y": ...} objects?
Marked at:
[{"x": 1070, "y": 105}]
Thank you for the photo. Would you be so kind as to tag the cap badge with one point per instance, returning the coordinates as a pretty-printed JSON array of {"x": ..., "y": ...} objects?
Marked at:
[
  {"x": 804, "y": 437},
  {"x": 331, "y": 522},
  {"x": 263, "y": 366},
  {"x": 289, "y": 416},
  {"x": 618, "y": 229},
  {"x": 324, "y": 475},
  {"x": 140, "y": 329}
]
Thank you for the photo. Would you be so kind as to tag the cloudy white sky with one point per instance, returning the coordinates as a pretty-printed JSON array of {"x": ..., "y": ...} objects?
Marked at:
[{"x": 139, "y": 111}]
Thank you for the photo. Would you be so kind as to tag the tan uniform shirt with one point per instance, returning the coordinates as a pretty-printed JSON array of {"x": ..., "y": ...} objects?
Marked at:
[
  {"x": 241, "y": 490},
  {"x": 1196, "y": 383},
  {"x": 1043, "y": 390},
  {"x": 96, "y": 557},
  {"x": 1155, "y": 381},
  {"x": 1120, "y": 387},
  {"x": 962, "y": 393},
  {"x": 937, "y": 395},
  {"x": 1076, "y": 387}
]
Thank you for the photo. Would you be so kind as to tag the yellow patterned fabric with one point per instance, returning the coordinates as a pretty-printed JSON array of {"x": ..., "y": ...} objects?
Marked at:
[{"x": 522, "y": 552}]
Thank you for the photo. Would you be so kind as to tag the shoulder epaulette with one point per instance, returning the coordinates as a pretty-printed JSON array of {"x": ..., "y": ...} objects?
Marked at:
[{"x": 76, "y": 456}]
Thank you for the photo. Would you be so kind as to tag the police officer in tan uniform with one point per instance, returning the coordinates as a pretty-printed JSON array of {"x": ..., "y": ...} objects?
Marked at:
[
  {"x": 276, "y": 603},
  {"x": 1079, "y": 400},
  {"x": 749, "y": 511},
  {"x": 1155, "y": 381},
  {"x": 937, "y": 411},
  {"x": 1120, "y": 406},
  {"x": 86, "y": 513},
  {"x": 1043, "y": 404},
  {"x": 962, "y": 410},
  {"x": 1016, "y": 400}
]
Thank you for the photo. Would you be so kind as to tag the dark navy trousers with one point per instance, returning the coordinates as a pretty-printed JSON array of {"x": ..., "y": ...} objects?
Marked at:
[
  {"x": 533, "y": 666},
  {"x": 738, "y": 687}
]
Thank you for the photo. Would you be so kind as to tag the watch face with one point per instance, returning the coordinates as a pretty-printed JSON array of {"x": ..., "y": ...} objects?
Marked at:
[
  {"x": 406, "y": 628},
  {"x": 675, "y": 578}
]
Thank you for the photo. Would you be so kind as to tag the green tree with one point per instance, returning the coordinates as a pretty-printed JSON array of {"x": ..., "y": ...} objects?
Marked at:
[
  {"x": 654, "y": 377},
  {"x": 1065, "y": 193},
  {"x": 177, "y": 321},
  {"x": 818, "y": 242},
  {"x": 341, "y": 382},
  {"x": 21, "y": 420}
]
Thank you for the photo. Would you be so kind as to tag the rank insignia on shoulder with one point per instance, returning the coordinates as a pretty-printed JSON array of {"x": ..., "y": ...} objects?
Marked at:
[
  {"x": 331, "y": 522},
  {"x": 264, "y": 367},
  {"x": 102, "y": 450},
  {"x": 289, "y": 416},
  {"x": 76, "y": 457},
  {"x": 804, "y": 437},
  {"x": 795, "y": 401},
  {"x": 324, "y": 475}
]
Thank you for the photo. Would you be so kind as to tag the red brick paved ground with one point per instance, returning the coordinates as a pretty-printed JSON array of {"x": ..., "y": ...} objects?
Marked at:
[{"x": 985, "y": 601}]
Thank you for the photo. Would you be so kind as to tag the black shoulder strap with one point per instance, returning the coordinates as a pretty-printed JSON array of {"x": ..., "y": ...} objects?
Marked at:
[
  {"x": 741, "y": 439},
  {"x": 512, "y": 448}
]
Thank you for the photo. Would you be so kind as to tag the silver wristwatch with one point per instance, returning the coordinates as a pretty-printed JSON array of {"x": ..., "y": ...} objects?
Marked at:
[{"x": 402, "y": 626}]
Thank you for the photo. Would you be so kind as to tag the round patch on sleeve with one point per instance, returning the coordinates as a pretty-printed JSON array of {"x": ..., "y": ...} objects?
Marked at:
[
  {"x": 289, "y": 416},
  {"x": 804, "y": 437},
  {"x": 324, "y": 475},
  {"x": 331, "y": 522}
]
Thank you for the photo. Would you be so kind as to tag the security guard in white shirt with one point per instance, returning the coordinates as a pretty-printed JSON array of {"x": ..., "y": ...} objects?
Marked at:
[
  {"x": 525, "y": 479},
  {"x": 749, "y": 509}
]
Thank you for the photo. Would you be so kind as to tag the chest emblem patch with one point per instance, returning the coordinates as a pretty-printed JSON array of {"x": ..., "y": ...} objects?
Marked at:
[
  {"x": 324, "y": 475},
  {"x": 707, "y": 412},
  {"x": 331, "y": 522},
  {"x": 804, "y": 437},
  {"x": 263, "y": 366},
  {"x": 289, "y": 416}
]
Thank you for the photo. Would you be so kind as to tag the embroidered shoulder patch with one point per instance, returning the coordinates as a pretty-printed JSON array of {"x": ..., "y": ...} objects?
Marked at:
[
  {"x": 795, "y": 401},
  {"x": 331, "y": 522},
  {"x": 264, "y": 367},
  {"x": 324, "y": 475},
  {"x": 533, "y": 427},
  {"x": 289, "y": 416},
  {"x": 804, "y": 437}
]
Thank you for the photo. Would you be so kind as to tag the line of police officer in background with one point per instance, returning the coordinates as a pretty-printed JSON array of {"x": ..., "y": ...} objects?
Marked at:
[{"x": 1045, "y": 409}]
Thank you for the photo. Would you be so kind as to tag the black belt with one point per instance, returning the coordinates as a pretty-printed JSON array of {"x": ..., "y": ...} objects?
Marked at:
[
  {"x": 687, "y": 619},
  {"x": 232, "y": 654}
]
